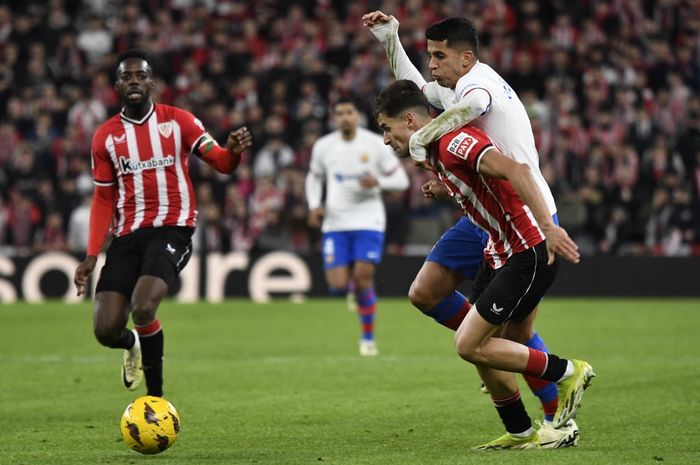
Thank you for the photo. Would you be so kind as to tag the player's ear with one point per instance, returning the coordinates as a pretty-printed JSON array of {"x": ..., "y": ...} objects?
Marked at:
[
  {"x": 410, "y": 120},
  {"x": 467, "y": 58}
]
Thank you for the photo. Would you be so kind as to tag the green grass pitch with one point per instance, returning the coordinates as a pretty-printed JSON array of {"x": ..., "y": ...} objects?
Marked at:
[{"x": 282, "y": 383}]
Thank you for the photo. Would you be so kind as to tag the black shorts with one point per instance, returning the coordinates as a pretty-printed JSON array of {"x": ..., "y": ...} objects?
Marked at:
[
  {"x": 161, "y": 252},
  {"x": 514, "y": 290}
]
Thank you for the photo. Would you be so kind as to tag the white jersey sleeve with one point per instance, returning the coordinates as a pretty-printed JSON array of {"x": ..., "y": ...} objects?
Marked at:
[
  {"x": 314, "y": 179},
  {"x": 434, "y": 93}
]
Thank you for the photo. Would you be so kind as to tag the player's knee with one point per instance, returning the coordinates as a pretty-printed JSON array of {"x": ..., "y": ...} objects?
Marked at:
[
  {"x": 420, "y": 297},
  {"x": 363, "y": 282},
  {"x": 466, "y": 349},
  {"x": 143, "y": 310},
  {"x": 337, "y": 291}
]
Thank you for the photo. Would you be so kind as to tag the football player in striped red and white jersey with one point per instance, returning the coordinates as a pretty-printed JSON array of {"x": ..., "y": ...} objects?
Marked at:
[
  {"x": 140, "y": 164},
  {"x": 500, "y": 196}
]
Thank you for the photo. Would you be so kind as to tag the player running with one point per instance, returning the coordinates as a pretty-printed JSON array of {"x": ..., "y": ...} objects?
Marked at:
[
  {"x": 143, "y": 190},
  {"x": 501, "y": 197},
  {"x": 354, "y": 166}
]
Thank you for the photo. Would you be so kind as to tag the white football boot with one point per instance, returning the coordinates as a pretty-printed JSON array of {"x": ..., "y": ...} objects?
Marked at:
[
  {"x": 368, "y": 348},
  {"x": 132, "y": 370}
]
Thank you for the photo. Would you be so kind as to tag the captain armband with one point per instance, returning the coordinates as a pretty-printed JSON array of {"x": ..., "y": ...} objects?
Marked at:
[{"x": 204, "y": 145}]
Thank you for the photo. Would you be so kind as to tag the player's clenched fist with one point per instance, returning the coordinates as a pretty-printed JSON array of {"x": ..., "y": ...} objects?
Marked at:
[
  {"x": 374, "y": 18},
  {"x": 239, "y": 140},
  {"x": 435, "y": 189}
]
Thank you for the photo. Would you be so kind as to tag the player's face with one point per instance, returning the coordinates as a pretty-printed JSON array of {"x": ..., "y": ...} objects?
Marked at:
[
  {"x": 447, "y": 64},
  {"x": 346, "y": 117},
  {"x": 396, "y": 133},
  {"x": 134, "y": 81}
]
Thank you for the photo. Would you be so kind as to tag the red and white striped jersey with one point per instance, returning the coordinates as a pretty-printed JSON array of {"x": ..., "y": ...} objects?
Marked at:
[
  {"x": 148, "y": 160},
  {"x": 490, "y": 203}
]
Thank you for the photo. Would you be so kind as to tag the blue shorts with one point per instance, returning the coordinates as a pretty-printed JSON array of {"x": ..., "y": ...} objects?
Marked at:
[
  {"x": 461, "y": 248},
  {"x": 340, "y": 248}
]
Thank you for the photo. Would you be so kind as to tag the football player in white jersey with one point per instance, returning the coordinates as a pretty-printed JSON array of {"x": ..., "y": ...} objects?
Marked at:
[
  {"x": 354, "y": 166},
  {"x": 468, "y": 91}
]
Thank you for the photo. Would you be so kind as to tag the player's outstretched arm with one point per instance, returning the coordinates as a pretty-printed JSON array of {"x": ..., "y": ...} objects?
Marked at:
[
  {"x": 225, "y": 160},
  {"x": 494, "y": 163},
  {"x": 386, "y": 30},
  {"x": 473, "y": 104}
]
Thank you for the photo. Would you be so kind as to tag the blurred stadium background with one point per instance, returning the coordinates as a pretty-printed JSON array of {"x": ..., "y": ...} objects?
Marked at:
[{"x": 612, "y": 89}]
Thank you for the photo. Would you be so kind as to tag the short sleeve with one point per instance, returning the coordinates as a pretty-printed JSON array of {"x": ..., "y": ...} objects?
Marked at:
[
  {"x": 468, "y": 144},
  {"x": 192, "y": 129},
  {"x": 103, "y": 170}
]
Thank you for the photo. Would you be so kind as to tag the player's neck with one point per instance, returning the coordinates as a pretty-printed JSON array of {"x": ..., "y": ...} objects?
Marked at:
[
  {"x": 467, "y": 71},
  {"x": 349, "y": 135},
  {"x": 136, "y": 112}
]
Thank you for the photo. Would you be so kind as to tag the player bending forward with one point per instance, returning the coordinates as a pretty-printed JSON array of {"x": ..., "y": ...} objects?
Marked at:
[
  {"x": 469, "y": 91},
  {"x": 501, "y": 197}
]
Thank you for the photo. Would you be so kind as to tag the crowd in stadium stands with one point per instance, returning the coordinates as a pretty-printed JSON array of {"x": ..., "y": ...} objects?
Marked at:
[{"x": 612, "y": 88}]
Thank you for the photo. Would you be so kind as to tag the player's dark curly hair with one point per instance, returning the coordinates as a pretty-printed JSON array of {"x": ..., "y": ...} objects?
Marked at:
[
  {"x": 458, "y": 32},
  {"x": 399, "y": 97}
]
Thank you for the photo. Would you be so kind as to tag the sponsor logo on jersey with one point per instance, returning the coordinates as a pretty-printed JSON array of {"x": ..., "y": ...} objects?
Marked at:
[
  {"x": 165, "y": 129},
  {"x": 461, "y": 145},
  {"x": 119, "y": 139},
  {"x": 364, "y": 158},
  {"x": 340, "y": 177},
  {"x": 128, "y": 166}
]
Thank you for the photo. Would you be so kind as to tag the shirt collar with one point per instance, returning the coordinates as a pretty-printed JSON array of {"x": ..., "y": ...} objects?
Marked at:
[{"x": 142, "y": 120}]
